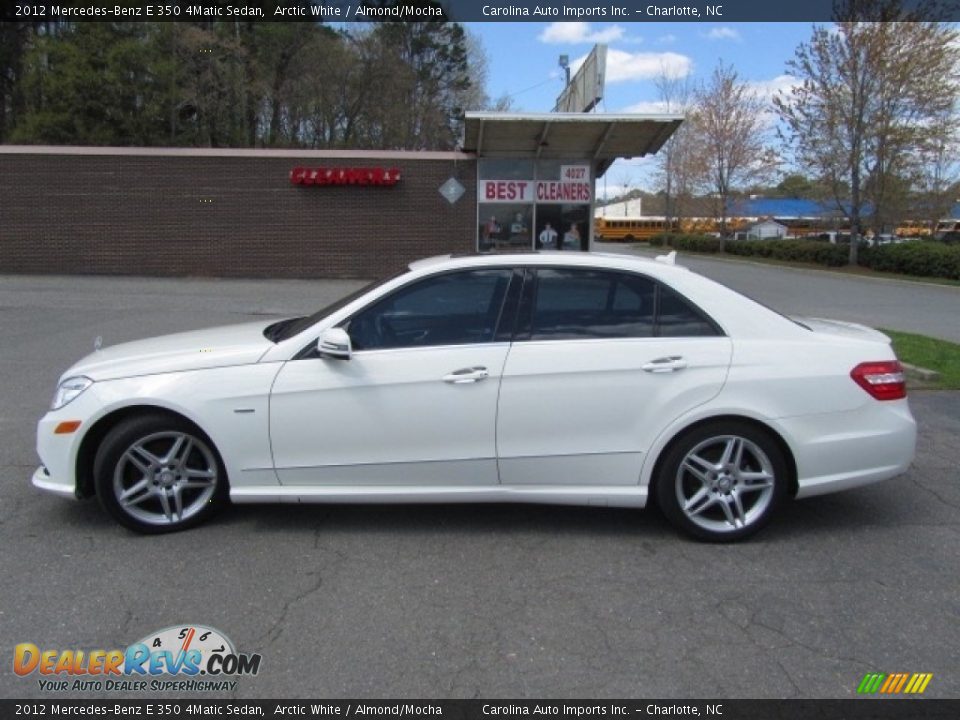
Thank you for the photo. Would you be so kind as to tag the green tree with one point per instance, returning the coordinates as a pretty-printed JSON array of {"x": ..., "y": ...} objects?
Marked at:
[
  {"x": 236, "y": 84},
  {"x": 15, "y": 38},
  {"x": 433, "y": 81},
  {"x": 870, "y": 88},
  {"x": 91, "y": 85},
  {"x": 795, "y": 185}
]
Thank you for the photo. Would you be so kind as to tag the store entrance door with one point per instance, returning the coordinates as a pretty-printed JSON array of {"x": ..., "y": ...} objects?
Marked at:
[{"x": 562, "y": 227}]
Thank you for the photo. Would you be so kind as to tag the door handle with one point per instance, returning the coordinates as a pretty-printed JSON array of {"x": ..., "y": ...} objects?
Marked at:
[
  {"x": 466, "y": 375},
  {"x": 665, "y": 364}
]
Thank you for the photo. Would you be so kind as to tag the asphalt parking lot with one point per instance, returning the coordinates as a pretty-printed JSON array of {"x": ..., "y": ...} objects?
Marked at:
[{"x": 472, "y": 601}]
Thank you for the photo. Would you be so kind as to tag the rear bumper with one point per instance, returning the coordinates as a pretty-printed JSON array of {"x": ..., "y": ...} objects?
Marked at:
[{"x": 839, "y": 451}]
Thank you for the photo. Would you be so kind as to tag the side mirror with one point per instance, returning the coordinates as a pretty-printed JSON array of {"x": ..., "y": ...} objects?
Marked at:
[{"x": 335, "y": 343}]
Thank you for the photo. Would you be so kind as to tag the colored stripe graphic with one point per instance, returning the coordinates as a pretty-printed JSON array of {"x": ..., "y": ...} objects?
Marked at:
[
  {"x": 870, "y": 683},
  {"x": 907, "y": 683},
  {"x": 918, "y": 683}
]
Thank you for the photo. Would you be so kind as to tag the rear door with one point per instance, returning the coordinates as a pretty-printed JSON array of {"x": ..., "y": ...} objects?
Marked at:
[{"x": 601, "y": 362}]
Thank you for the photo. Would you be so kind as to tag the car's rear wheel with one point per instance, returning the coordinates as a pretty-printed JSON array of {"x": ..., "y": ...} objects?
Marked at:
[
  {"x": 158, "y": 473},
  {"x": 722, "y": 481}
]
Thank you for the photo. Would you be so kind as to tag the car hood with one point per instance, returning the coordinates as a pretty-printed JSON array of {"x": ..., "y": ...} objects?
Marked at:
[
  {"x": 839, "y": 328},
  {"x": 212, "y": 347}
]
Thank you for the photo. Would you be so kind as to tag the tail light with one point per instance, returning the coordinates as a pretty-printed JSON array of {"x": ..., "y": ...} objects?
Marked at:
[{"x": 882, "y": 379}]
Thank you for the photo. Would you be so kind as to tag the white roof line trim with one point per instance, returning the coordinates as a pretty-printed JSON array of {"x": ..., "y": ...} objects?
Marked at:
[{"x": 572, "y": 117}]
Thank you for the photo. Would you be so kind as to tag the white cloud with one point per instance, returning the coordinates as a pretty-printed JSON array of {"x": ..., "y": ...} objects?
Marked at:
[
  {"x": 768, "y": 89},
  {"x": 647, "y": 107},
  {"x": 624, "y": 66},
  {"x": 723, "y": 33},
  {"x": 625, "y": 175},
  {"x": 573, "y": 33}
]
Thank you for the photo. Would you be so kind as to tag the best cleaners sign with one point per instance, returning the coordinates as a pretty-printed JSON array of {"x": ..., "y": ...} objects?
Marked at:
[{"x": 529, "y": 191}]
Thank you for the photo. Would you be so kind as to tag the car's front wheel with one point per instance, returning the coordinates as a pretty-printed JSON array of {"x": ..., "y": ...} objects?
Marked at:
[
  {"x": 722, "y": 481},
  {"x": 158, "y": 474}
]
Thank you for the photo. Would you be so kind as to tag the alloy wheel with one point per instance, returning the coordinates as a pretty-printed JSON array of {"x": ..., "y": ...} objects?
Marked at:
[{"x": 165, "y": 478}]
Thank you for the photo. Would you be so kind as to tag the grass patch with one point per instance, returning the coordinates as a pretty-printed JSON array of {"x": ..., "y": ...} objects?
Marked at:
[
  {"x": 930, "y": 353},
  {"x": 849, "y": 270}
]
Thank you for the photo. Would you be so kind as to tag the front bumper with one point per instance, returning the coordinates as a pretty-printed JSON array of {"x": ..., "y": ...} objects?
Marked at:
[
  {"x": 43, "y": 480},
  {"x": 58, "y": 452}
]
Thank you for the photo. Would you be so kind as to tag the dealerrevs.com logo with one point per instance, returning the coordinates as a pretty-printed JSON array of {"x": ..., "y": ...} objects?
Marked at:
[{"x": 178, "y": 658}]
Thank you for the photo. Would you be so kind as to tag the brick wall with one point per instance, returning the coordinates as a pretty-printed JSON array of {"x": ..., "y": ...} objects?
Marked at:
[{"x": 65, "y": 211}]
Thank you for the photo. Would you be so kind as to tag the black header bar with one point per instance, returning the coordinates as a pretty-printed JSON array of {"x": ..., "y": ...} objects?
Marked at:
[{"x": 334, "y": 11}]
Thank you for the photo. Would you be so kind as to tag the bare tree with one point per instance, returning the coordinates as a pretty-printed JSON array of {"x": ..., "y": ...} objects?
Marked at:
[
  {"x": 627, "y": 187},
  {"x": 674, "y": 159},
  {"x": 872, "y": 87},
  {"x": 504, "y": 103},
  {"x": 937, "y": 173},
  {"x": 730, "y": 129}
]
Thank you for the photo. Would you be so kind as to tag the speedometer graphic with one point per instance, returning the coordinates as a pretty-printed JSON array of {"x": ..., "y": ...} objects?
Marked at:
[{"x": 198, "y": 642}]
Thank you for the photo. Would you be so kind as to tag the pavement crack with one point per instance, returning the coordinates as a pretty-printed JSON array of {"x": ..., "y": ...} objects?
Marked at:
[
  {"x": 276, "y": 628},
  {"x": 937, "y": 495}
]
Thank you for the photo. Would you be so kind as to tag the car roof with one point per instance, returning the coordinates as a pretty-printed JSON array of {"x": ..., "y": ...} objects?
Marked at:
[{"x": 546, "y": 257}]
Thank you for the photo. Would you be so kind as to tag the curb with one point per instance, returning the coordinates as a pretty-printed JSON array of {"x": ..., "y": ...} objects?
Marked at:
[{"x": 920, "y": 374}]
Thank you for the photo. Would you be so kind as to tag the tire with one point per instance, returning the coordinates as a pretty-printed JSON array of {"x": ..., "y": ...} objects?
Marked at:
[
  {"x": 157, "y": 474},
  {"x": 722, "y": 481}
]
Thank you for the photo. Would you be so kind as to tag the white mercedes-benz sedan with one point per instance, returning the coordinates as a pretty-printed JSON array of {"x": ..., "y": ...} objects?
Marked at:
[{"x": 550, "y": 378}]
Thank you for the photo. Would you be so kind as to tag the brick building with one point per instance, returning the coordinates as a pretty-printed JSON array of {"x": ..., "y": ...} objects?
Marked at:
[{"x": 284, "y": 213}]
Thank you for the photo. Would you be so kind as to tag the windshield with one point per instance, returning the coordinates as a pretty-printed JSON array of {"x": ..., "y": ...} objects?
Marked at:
[{"x": 286, "y": 329}]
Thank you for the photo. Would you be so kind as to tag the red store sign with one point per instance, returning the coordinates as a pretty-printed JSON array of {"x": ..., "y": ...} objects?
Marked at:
[{"x": 345, "y": 176}]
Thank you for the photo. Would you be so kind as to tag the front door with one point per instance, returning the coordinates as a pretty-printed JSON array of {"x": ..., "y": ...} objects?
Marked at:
[{"x": 414, "y": 405}]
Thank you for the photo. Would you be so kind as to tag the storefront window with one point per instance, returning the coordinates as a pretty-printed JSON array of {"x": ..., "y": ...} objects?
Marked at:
[
  {"x": 524, "y": 205},
  {"x": 505, "y": 225}
]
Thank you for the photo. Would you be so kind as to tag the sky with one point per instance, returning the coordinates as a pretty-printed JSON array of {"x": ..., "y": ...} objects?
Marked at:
[{"x": 523, "y": 63}]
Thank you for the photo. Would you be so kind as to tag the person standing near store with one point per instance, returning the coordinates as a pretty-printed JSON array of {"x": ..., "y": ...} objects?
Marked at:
[
  {"x": 571, "y": 238},
  {"x": 548, "y": 237},
  {"x": 491, "y": 231}
]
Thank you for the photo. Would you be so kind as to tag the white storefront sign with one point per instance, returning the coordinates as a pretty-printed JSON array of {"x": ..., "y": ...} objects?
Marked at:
[{"x": 541, "y": 191}]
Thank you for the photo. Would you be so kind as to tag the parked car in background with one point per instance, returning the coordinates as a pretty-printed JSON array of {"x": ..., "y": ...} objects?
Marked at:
[
  {"x": 885, "y": 239},
  {"x": 945, "y": 226},
  {"x": 557, "y": 377}
]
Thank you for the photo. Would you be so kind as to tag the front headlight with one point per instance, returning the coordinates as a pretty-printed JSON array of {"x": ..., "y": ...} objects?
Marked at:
[{"x": 68, "y": 390}]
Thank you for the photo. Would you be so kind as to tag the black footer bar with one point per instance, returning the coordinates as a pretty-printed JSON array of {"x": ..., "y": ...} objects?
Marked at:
[{"x": 159, "y": 708}]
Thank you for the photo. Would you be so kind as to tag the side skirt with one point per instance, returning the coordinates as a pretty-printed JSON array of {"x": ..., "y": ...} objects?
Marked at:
[{"x": 632, "y": 496}]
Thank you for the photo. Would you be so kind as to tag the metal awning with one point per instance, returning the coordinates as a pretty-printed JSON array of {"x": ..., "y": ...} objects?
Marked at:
[{"x": 600, "y": 138}]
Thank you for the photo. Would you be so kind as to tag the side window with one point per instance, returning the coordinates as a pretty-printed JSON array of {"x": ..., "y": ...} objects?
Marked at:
[
  {"x": 573, "y": 304},
  {"x": 678, "y": 318},
  {"x": 451, "y": 309}
]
